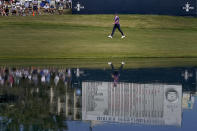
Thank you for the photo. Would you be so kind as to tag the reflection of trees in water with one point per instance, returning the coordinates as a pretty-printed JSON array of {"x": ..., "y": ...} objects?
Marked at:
[
  {"x": 78, "y": 104},
  {"x": 31, "y": 110},
  {"x": 78, "y": 115}
]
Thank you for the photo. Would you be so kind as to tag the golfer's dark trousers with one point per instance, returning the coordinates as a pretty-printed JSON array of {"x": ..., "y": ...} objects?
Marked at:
[{"x": 114, "y": 28}]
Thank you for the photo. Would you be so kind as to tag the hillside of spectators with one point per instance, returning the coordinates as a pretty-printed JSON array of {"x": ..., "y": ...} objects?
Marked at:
[{"x": 33, "y": 7}]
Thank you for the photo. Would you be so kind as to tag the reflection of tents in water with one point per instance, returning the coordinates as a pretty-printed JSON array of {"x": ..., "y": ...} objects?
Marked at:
[{"x": 151, "y": 104}]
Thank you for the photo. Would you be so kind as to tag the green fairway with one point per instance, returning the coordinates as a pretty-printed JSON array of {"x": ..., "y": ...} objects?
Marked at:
[
  {"x": 85, "y": 36},
  {"x": 52, "y": 38}
]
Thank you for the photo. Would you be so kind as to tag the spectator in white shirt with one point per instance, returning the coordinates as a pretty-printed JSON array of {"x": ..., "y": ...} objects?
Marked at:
[{"x": 46, "y": 7}]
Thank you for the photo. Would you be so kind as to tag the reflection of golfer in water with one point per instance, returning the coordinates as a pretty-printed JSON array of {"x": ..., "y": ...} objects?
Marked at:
[{"x": 116, "y": 73}]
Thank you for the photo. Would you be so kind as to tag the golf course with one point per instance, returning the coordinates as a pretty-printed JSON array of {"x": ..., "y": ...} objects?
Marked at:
[{"x": 84, "y": 37}]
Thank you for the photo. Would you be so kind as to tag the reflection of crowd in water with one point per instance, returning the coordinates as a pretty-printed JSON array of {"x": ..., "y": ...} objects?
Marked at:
[{"x": 11, "y": 76}]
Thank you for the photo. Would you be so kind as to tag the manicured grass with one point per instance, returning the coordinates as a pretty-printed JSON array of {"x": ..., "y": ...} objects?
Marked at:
[
  {"x": 85, "y": 36},
  {"x": 101, "y": 63}
]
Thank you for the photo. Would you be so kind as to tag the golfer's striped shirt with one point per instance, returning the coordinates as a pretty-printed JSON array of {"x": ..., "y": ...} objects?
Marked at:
[{"x": 116, "y": 20}]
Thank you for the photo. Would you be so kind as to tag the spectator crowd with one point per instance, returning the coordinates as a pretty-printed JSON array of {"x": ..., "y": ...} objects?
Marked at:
[{"x": 33, "y": 7}]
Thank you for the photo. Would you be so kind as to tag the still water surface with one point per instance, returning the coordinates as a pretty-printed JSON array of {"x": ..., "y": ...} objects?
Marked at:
[{"x": 37, "y": 99}]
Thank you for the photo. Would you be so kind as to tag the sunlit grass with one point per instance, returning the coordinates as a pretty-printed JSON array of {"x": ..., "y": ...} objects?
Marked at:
[{"x": 85, "y": 36}]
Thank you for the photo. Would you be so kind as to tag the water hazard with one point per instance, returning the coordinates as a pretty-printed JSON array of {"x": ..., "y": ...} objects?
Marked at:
[{"x": 38, "y": 98}]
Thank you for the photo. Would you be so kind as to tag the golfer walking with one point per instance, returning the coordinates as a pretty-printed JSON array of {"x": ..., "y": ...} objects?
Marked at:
[{"x": 116, "y": 25}]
